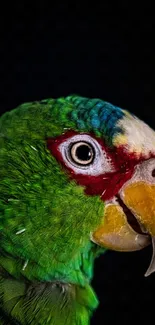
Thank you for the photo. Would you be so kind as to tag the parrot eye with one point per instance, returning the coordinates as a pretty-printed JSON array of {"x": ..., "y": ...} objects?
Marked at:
[{"x": 82, "y": 153}]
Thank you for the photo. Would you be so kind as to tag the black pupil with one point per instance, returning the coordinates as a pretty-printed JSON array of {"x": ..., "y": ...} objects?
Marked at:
[
  {"x": 153, "y": 173},
  {"x": 83, "y": 152}
]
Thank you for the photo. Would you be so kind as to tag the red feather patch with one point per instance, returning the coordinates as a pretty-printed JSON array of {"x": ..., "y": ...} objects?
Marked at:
[{"x": 108, "y": 184}]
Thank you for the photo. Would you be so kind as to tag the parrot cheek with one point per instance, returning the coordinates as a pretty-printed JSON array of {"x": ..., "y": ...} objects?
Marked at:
[
  {"x": 140, "y": 198},
  {"x": 116, "y": 233}
]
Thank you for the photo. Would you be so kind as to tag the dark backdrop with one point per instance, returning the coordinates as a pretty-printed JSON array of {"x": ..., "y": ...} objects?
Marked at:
[{"x": 103, "y": 51}]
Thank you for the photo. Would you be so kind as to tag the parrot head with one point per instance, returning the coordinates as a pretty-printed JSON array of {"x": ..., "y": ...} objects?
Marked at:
[
  {"x": 113, "y": 157},
  {"x": 75, "y": 174}
]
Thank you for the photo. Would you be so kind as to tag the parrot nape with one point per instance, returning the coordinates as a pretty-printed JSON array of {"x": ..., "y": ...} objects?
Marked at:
[{"x": 77, "y": 177}]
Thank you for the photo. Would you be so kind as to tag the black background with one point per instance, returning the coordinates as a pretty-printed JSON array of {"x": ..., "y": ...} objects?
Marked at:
[{"x": 102, "y": 50}]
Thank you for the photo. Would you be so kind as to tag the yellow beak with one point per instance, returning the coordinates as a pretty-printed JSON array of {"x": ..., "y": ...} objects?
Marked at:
[
  {"x": 116, "y": 233},
  {"x": 140, "y": 197}
]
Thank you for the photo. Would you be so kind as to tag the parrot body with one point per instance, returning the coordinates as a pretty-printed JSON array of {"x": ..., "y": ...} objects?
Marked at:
[{"x": 65, "y": 165}]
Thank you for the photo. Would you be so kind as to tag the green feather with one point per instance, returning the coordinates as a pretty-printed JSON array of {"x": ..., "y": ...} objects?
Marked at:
[{"x": 46, "y": 255}]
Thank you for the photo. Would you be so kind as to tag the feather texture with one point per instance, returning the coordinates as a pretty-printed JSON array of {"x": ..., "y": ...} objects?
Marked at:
[{"x": 46, "y": 218}]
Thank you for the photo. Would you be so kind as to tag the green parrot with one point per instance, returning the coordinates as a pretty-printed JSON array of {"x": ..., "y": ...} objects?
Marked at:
[{"x": 77, "y": 177}]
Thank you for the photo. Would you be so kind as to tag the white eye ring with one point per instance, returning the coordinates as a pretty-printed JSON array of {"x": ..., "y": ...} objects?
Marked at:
[
  {"x": 81, "y": 153},
  {"x": 98, "y": 163}
]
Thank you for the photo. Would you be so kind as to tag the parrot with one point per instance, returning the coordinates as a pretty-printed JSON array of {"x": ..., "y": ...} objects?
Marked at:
[{"x": 77, "y": 178}]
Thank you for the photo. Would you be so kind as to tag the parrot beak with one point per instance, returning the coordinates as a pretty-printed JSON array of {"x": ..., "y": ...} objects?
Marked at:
[
  {"x": 140, "y": 196},
  {"x": 116, "y": 233},
  {"x": 129, "y": 219}
]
